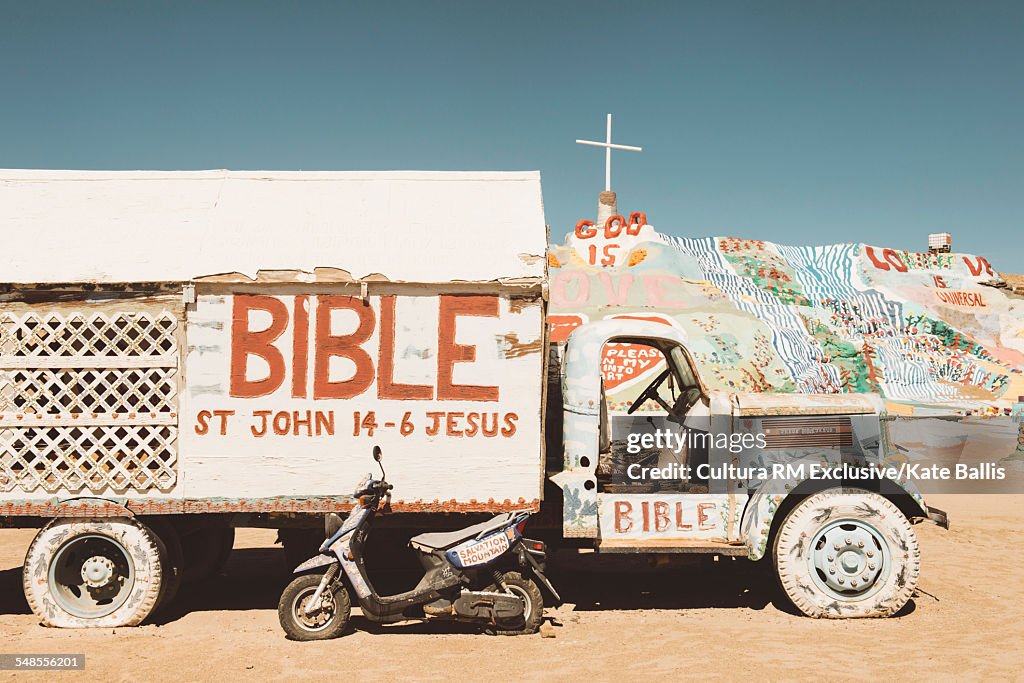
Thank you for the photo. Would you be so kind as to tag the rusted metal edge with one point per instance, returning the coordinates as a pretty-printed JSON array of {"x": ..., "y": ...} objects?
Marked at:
[{"x": 97, "y": 507}]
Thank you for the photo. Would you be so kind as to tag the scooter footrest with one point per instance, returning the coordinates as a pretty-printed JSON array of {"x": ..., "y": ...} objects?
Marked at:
[{"x": 439, "y": 608}]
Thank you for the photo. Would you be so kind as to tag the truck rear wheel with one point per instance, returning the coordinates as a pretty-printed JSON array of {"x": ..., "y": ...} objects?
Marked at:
[
  {"x": 172, "y": 561},
  {"x": 847, "y": 553},
  {"x": 82, "y": 573}
]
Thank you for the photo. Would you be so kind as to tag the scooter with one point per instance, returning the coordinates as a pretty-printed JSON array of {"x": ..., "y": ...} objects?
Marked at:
[{"x": 482, "y": 574}]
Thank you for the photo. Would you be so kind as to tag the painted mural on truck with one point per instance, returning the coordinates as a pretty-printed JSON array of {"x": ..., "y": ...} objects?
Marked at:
[{"x": 920, "y": 329}]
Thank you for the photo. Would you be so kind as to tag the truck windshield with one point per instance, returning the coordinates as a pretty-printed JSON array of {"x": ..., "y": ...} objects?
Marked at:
[{"x": 687, "y": 377}]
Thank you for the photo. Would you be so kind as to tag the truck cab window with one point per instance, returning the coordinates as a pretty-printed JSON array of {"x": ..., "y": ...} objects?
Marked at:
[
  {"x": 638, "y": 392},
  {"x": 628, "y": 369}
]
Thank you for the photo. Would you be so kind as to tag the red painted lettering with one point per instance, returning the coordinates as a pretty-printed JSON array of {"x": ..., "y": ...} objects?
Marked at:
[
  {"x": 623, "y": 521},
  {"x": 892, "y": 260},
  {"x": 510, "y": 425},
  {"x": 452, "y": 424},
  {"x": 661, "y": 518},
  {"x": 680, "y": 525},
  {"x": 613, "y": 226},
  {"x": 342, "y": 346},
  {"x": 449, "y": 353},
  {"x": 245, "y": 343},
  {"x": 300, "y": 347},
  {"x": 704, "y": 522},
  {"x": 585, "y": 229},
  {"x": 980, "y": 263}
]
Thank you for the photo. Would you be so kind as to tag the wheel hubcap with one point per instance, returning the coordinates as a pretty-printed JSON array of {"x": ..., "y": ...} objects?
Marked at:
[
  {"x": 90, "y": 576},
  {"x": 98, "y": 571},
  {"x": 320, "y": 618},
  {"x": 849, "y": 559}
]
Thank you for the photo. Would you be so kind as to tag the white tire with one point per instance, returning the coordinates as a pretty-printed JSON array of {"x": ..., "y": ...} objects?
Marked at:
[
  {"x": 91, "y": 573},
  {"x": 847, "y": 553}
]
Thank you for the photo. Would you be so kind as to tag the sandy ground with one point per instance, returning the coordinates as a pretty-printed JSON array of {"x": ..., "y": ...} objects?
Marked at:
[{"x": 712, "y": 620}]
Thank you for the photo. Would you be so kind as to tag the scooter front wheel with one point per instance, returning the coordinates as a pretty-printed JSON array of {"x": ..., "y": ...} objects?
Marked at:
[{"x": 322, "y": 622}]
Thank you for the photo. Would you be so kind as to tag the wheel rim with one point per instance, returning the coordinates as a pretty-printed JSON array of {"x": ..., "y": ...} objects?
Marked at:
[
  {"x": 318, "y": 620},
  {"x": 91, "y": 576},
  {"x": 521, "y": 593},
  {"x": 849, "y": 559}
]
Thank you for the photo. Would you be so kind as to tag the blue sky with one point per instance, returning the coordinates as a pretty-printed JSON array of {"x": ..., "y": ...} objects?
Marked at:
[{"x": 796, "y": 122}]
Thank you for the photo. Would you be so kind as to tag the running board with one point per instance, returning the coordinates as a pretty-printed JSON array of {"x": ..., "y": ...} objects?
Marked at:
[{"x": 679, "y": 546}]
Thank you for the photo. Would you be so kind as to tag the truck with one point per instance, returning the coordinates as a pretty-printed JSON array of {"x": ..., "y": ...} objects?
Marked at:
[{"x": 186, "y": 353}]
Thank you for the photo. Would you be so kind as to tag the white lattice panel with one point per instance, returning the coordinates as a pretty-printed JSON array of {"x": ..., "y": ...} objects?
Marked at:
[
  {"x": 86, "y": 390},
  {"x": 88, "y": 400},
  {"x": 49, "y": 334},
  {"x": 93, "y": 458}
]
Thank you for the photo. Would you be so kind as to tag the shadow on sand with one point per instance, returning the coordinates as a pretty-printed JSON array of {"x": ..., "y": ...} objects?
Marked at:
[{"x": 255, "y": 577}]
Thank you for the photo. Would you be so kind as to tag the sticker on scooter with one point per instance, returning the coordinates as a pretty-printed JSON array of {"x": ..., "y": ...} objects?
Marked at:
[{"x": 483, "y": 550}]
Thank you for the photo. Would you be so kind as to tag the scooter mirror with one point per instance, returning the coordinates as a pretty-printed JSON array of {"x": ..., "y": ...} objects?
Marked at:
[{"x": 377, "y": 455}]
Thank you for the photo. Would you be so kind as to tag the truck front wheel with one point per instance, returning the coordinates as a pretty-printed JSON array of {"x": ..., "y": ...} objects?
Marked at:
[
  {"x": 93, "y": 573},
  {"x": 847, "y": 553}
]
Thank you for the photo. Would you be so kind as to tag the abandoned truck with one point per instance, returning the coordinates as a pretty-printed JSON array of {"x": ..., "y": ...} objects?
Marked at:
[{"x": 186, "y": 353}]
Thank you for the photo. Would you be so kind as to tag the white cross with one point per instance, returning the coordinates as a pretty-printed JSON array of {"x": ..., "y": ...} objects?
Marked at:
[{"x": 608, "y": 147}]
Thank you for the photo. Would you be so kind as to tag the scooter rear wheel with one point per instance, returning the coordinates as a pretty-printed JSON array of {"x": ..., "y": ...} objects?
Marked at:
[
  {"x": 533, "y": 605},
  {"x": 328, "y": 621}
]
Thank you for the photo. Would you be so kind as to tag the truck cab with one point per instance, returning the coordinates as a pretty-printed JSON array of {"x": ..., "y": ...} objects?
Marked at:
[{"x": 678, "y": 468}]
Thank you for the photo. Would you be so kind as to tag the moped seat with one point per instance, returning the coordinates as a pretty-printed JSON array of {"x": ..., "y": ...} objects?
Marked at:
[{"x": 440, "y": 540}]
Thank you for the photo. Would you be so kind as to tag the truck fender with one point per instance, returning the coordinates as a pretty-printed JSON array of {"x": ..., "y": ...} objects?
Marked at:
[
  {"x": 764, "y": 504},
  {"x": 321, "y": 560}
]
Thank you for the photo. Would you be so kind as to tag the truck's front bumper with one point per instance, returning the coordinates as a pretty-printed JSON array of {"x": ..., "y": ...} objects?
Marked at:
[{"x": 938, "y": 516}]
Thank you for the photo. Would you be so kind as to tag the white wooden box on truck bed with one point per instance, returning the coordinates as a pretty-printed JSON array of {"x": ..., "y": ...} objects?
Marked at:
[{"x": 219, "y": 341}]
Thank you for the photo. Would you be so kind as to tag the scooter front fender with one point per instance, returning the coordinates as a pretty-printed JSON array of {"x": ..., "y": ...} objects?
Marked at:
[{"x": 321, "y": 560}]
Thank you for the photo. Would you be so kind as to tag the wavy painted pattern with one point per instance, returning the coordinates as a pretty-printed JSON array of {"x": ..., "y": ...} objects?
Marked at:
[{"x": 918, "y": 328}]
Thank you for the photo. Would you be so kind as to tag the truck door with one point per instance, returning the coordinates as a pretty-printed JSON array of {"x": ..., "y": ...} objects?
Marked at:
[
  {"x": 631, "y": 392},
  {"x": 651, "y": 490}
]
